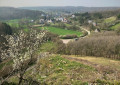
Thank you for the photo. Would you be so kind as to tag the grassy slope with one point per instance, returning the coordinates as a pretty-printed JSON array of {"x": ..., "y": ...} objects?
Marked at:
[
  {"x": 61, "y": 31},
  {"x": 63, "y": 71},
  {"x": 110, "y": 19},
  {"x": 116, "y": 26},
  {"x": 101, "y": 61},
  {"x": 5, "y": 63},
  {"x": 115, "y": 64},
  {"x": 47, "y": 47},
  {"x": 108, "y": 68},
  {"x": 56, "y": 70},
  {"x": 13, "y": 23}
]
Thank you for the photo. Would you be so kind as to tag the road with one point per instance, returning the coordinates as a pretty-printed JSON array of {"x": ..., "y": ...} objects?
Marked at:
[
  {"x": 83, "y": 28},
  {"x": 66, "y": 41}
]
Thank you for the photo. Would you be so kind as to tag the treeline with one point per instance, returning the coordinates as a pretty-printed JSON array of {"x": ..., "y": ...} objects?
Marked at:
[
  {"x": 83, "y": 18},
  {"x": 8, "y": 13},
  {"x": 96, "y": 20},
  {"x": 99, "y": 46},
  {"x": 64, "y": 26},
  {"x": 97, "y": 15},
  {"x": 71, "y": 9}
]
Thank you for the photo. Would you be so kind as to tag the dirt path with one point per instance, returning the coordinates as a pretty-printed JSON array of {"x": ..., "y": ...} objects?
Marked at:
[
  {"x": 83, "y": 28},
  {"x": 66, "y": 41},
  {"x": 105, "y": 70}
]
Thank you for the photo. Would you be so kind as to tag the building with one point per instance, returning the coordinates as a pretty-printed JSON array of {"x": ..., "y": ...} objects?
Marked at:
[
  {"x": 73, "y": 16},
  {"x": 49, "y": 21}
]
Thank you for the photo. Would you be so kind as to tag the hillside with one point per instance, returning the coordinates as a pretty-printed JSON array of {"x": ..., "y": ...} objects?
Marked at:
[
  {"x": 8, "y": 13},
  {"x": 60, "y": 46}
]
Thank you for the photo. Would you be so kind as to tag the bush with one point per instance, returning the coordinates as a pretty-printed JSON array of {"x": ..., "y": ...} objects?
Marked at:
[
  {"x": 118, "y": 16},
  {"x": 69, "y": 36},
  {"x": 118, "y": 31},
  {"x": 99, "y": 46},
  {"x": 5, "y": 29},
  {"x": 6, "y": 70}
]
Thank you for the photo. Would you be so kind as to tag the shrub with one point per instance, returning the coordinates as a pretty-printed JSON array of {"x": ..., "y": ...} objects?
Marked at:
[{"x": 69, "y": 36}]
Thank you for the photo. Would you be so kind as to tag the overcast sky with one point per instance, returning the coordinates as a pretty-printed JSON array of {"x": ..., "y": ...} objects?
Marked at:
[{"x": 87, "y": 3}]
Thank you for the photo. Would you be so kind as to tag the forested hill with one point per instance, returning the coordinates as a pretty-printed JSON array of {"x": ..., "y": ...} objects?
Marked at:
[
  {"x": 71, "y": 9},
  {"x": 7, "y": 13}
]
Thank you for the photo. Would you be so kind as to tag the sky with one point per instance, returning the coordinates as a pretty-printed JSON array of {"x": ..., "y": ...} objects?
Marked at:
[{"x": 86, "y": 3}]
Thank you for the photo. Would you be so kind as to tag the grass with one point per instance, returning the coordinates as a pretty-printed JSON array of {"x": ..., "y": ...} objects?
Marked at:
[
  {"x": 56, "y": 70},
  {"x": 61, "y": 31},
  {"x": 61, "y": 71},
  {"x": 13, "y": 23},
  {"x": 102, "y": 61},
  {"x": 110, "y": 19},
  {"x": 116, "y": 26},
  {"x": 47, "y": 47},
  {"x": 9, "y": 62},
  {"x": 65, "y": 64},
  {"x": 26, "y": 29}
]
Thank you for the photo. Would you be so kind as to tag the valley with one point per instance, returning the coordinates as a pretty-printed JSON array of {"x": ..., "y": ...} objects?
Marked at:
[{"x": 52, "y": 46}]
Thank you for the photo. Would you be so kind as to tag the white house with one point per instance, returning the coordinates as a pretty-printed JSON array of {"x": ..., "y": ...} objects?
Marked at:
[
  {"x": 49, "y": 21},
  {"x": 73, "y": 16}
]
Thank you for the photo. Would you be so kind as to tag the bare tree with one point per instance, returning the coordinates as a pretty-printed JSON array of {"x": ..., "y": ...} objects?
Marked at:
[{"x": 99, "y": 46}]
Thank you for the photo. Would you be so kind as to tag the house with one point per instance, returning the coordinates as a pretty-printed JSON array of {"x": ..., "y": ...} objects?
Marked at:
[
  {"x": 89, "y": 21},
  {"x": 41, "y": 21},
  {"x": 42, "y": 15},
  {"x": 31, "y": 20},
  {"x": 94, "y": 24},
  {"x": 64, "y": 20},
  {"x": 49, "y": 21},
  {"x": 97, "y": 30},
  {"x": 73, "y": 16},
  {"x": 61, "y": 19}
]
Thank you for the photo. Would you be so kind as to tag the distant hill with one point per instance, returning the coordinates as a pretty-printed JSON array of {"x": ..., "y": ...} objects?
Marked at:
[
  {"x": 7, "y": 13},
  {"x": 71, "y": 9}
]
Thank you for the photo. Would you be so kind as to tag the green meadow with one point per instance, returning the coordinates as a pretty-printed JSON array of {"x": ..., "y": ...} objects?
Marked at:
[
  {"x": 110, "y": 19},
  {"x": 61, "y": 31},
  {"x": 116, "y": 26}
]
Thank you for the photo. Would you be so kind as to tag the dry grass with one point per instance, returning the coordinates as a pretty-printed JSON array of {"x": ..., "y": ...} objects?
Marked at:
[
  {"x": 102, "y": 61},
  {"x": 109, "y": 69}
]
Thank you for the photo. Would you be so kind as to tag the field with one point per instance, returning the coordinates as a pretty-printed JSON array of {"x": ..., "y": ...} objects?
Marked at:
[
  {"x": 108, "y": 69},
  {"x": 44, "y": 47},
  {"x": 61, "y": 31},
  {"x": 116, "y": 26},
  {"x": 114, "y": 64},
  {"x": 13, "y": 23},
  {"x": 56, "y": 70},
  {"x": 108, "y": 20}
]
